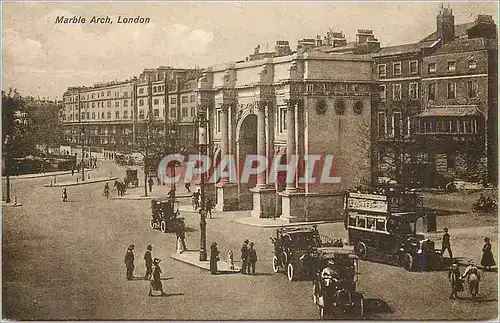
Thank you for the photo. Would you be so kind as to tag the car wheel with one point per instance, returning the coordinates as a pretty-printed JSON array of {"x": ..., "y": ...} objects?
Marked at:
[
  {"x": 291, "y": 272},
  {"x": 407, "y": 262},
  {"x": 151, "y": 223},
  {"x": 276, "y": 266},
  {"x": 163, "y": 227},
  {"x": 361, "y": 250}
]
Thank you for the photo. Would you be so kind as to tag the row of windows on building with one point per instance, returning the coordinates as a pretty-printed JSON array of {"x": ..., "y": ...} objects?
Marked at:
[
  {"x": 393, "y": 126},
  {"x": 185, "y": 112},
  {"x": 102, "y": 94},
  {"x": 413, "y": 67},
  {"x": 413, "y": 90}
]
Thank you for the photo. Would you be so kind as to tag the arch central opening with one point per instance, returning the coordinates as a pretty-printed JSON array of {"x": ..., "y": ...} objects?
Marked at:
[{"x": 247, "y": 145}]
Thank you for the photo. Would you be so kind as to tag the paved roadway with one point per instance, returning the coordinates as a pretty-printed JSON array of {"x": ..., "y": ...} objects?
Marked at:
[{"x": 65, "y": 261}]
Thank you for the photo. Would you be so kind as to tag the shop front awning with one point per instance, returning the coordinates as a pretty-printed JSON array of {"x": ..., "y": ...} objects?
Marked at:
[{"x": 450, "y": 111}]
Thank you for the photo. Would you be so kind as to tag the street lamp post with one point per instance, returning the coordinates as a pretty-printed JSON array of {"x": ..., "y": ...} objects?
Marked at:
[
  {"x": 7, "y": 168},
  {"x": 202, "y": 144},
  {"x": 82, "y": 142},
  {"x": 173, "y": 138}
]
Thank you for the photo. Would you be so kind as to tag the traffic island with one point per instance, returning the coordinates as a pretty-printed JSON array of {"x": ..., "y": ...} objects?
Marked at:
[
  {"x": 192, "y": 257},
  {"x": 49, "y": 174},
  {"x": 274, "y": 223},
  {"x": 80, "y": 182}
]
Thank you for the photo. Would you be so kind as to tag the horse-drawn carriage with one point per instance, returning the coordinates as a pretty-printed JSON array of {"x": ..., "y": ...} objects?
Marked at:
[
  {"x": 295, "y": 250},
  {"x": 334, "y": 287},
  {"x": 164, "y": 217},
  {"x": 131, "y": 178}
]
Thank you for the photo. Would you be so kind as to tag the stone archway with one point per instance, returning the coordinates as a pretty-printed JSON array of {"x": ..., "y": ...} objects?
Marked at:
[{"x": 246, "y": 144}]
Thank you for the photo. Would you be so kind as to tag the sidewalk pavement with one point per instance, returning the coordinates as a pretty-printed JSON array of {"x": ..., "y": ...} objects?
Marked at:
[
  {"x": 192, "y": 257},
  {"x": 87, "y": 181},
  {"x": 39, "y": 175},
  {"x": 274, "y": 223},
  {"x": 138, "y": 196}
]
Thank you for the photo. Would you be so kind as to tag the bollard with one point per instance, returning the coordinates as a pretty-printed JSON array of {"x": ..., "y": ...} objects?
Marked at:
[
  {"x": 230, "y": 259},
  {"x": 51, "y": 183},
  {"x": 55, "y": 181},
  {"x": 88, "y": 177},
  {"x": 180, "y": 248}
]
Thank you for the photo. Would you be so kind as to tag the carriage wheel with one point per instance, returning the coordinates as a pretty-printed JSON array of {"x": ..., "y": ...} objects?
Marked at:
[
  {"x": 276, "y": 266},
  {"x": 151, "y": 223},
  {"x": 163, "y": 227},
  {"x": 291, "y": 272}
]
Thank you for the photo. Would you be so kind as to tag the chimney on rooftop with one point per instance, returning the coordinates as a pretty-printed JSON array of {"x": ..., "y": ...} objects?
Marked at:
[{"x": 445, "y": 22}]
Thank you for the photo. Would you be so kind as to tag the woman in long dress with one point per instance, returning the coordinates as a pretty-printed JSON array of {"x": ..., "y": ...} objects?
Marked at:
[
  {"x": 156, "y": 285},
  {"x": 487, "y": 260}
]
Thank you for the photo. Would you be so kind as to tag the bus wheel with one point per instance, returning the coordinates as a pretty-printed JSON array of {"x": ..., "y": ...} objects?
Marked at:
[
  {"x": 407, "y": 262},
  {"x": 361, "y": 250}
]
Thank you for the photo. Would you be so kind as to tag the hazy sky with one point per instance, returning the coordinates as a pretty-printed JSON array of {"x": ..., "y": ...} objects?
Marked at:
[{"x": 42, "y": 58}]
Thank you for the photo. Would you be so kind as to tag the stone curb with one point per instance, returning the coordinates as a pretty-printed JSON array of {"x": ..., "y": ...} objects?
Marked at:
[
  {"x": 189, "y": 258},
  {"x": 11, "y": 204},
  {"x": 139, "y": 197},
  {"x": 260, "y": 223},
  {"x": 88, "y": 181},
  {"x": 31, "y": 176}
]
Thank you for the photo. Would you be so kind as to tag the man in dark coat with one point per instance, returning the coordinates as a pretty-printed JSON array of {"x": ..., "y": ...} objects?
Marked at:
[
  {"x": 209, "y": 206},
  {"x": 150, "y": 183},
  {"x": 252, "y": 259},
  {"x": 244, "y": 257},
  {"x": 149, "y": 262},
  {"x": 129, "y": 262},
  {"x": 445, "y": 244}
]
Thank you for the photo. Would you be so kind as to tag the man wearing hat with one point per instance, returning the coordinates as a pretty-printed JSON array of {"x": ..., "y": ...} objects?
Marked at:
[
  {"x": 149, "y": 262},
  {"x": 252, "y": 259},
  {"x": 129, "y": 262},
  {"x": 473, "y": 278},
  {"x": 244, "y": 256},
  {"x": 455, "y": 280},
  {"x": 445, "y": 244}
]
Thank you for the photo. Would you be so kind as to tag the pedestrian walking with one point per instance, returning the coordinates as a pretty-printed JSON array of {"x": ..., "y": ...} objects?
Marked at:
[
  {"x": 72, "y": 171},
  {"x": 487, "y": 260},
  {"x": 129, "y": 262},
  {"x": 149, "y": 262},
  {"x": 455, "y": 280},
  {"x": 473, "y": 278},
  {"x": 150, "y": 183},
  {"x": 155, "y": 282},
  {"x": 188, "y": 187},
  {"x": 214, "y": 258},
  {"x": 64, "y": 195},
  {"x": 252, "y": 259},
  {"x": 209, "y": 205},
  {"x": 182, "y": 236},
  {"x": 445, "y": 244},
  {"x": 196, "y": 199},
  {"x": 106, "y": 190},
  {"x": 244, "y": 257}
]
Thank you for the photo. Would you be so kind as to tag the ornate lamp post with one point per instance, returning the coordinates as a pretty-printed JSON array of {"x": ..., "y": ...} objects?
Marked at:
[
  {"x": 7, "y": 144},
  {"x": 202, "y": 144}
]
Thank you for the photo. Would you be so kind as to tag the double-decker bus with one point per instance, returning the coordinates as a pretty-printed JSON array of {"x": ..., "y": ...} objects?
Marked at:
[{"x": 382, "y": 227}]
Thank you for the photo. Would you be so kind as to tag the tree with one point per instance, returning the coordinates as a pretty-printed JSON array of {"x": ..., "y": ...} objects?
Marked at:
[
  {"x": 45, "y": 127},
  {"x": 149, "y": 143}
]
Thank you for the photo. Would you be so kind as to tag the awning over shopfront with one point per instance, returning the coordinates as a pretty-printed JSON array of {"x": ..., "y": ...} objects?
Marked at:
[{"x": 450, "y": 111}]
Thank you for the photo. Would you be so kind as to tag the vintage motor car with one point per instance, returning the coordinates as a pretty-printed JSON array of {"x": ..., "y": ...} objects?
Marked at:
[
  {"x": 382, "y": 227},
  {"x": 294, "y": 250},
  {"x": 164, "y": 217},
  {"x": 131, "y": 178},
  {"x": 334, "y": 286}
]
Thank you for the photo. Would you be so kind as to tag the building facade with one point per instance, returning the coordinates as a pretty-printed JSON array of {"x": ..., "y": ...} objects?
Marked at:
[
  {"x": 458, "y": 124},
  {"x": 293, "y": 105},
  {"x": 111, "y": 116}
]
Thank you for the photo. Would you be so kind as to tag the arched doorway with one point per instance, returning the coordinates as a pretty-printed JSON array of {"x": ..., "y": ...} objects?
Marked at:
[{"x": 246, "y": 144}]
